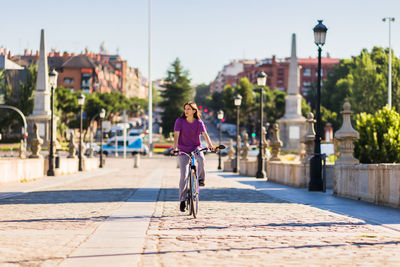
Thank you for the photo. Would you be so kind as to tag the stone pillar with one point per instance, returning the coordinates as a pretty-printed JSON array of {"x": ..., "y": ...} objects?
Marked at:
[
  {"x": 41, "y": 114},
  {"x": 345, "y": 137},
  {"x": 275, "y": 143},
  {"x": 292, "y": 124}
]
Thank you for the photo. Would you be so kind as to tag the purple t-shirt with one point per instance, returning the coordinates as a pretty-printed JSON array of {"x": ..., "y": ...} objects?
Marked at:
[{"x": 189, "y": 136}]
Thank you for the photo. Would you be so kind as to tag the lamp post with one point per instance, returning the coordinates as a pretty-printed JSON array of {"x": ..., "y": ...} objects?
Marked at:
[
  {"x": 53, "y": 82},
  {"x": 261, "y": 81},
  {"x": 220, "y": 116},
  {"x": 389, "y": 19},
  {"x": 102, "y": 116},
  {"x": 237, "y": 101},
  {"x": 81, "y": 101},
  {"x": 315, "y": 162}
]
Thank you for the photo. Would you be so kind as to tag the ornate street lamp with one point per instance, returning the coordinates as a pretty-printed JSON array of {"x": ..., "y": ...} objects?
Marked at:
[
  {"x": 220, "y": 116},
  {"x": 81, "y": 102},
  {"x": 102, "y": 116},
  {"x": 53, "y": 83},
  {"x": 261, "y": 81},
  {"x": 315, "y": 162},
  {"x": 237, "y": 101}
]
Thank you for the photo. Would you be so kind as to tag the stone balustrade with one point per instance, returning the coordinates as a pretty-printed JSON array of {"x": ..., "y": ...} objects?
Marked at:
[{"x": 24, "y": 170}]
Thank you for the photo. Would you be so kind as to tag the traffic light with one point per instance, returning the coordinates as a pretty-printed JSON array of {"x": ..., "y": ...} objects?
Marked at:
[
  {"x": 205, "y": 110},
  {"x": 253, "y": 134},
  {"x": 200, "y": 107}
]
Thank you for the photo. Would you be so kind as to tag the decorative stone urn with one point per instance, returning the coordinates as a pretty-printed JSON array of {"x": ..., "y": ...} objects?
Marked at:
[
  {"x": 309, "y": 138},
  {"x": 71, "y": 147},
  {"x": 22, "y": 150},
  {"x": 275, "y": 143},
  {"x": 246, "y": 147},
  {"x": 345, "y": 137},
  {"x": 264, "y": 142},
  {"x": 231, "y": 150},
  {"x": 35, "y": 143}
]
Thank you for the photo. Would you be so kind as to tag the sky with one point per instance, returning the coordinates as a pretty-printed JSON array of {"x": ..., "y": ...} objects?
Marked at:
[{"x": 204, "y": 34}]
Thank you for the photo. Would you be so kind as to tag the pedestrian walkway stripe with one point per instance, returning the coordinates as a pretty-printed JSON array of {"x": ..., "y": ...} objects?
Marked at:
[{"x": 120, "y": 239}]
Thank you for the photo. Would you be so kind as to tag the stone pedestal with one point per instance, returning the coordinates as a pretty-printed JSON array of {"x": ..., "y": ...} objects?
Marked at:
[
  {"x": 291, "y": 132},
  {"x": 346, "y": 136}
]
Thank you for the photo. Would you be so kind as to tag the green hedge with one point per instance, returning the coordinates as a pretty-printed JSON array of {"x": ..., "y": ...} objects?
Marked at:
[{"x": 379, "y": 137}]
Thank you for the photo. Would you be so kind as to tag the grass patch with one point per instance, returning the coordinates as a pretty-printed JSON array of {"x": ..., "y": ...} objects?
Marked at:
[{"x": 9, "y": 147}]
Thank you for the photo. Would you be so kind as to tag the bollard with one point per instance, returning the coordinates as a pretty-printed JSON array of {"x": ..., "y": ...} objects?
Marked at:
[
  {"x": 324, "y": 172},
  {"x": 136, "y": 160}
]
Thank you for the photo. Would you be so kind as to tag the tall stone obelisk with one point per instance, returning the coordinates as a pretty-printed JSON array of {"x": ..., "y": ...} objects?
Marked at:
[
  {"x": 292, "y": 124},
  {"x": 41, "y": 108}
]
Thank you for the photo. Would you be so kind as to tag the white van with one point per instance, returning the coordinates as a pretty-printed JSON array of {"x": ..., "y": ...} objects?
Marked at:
[{"x": 134, "y": 144}]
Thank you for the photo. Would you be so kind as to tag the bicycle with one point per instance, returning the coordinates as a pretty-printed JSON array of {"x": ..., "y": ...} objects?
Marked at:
[{"x": 193, "y": 191}]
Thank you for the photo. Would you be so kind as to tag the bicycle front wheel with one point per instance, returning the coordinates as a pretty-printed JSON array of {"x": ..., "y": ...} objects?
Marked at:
[{"x": 195, "y": 193}]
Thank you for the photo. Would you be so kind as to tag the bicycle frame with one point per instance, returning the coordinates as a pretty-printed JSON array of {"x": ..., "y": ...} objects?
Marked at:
[{"x": 193, "y": 182}]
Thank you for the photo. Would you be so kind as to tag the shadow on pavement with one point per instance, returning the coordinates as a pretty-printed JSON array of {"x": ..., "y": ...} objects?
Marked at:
[
  {"x": 251, "y": 248},
  {"x": 124, "y": 194},
  {"x": 372, "y": 213}
]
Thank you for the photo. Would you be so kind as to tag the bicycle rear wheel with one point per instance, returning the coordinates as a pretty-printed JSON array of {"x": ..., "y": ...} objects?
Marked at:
[
  {"x": 195, "y": 193},
  {"x": 189, "y": 196}
]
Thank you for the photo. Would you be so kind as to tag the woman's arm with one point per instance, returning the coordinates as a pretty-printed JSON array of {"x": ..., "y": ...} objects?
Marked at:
[
  {"x": 208, "y": 140},
  {"x": 176, "y": 138}
]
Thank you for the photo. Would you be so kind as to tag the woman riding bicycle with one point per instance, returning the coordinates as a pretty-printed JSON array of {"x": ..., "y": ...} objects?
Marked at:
[{"x": 187, "y": 130}]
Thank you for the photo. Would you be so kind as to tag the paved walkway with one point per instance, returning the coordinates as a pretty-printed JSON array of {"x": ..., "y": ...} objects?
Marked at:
[{"x": 111, "y": 217}]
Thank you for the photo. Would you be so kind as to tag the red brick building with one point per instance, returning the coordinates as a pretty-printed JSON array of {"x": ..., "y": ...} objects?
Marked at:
[
  {"x": 278, "y": 73},
  {"x": 91, "y": 72}
]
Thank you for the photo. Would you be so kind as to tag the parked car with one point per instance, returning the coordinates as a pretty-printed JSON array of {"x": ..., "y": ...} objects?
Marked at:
[
  {"x": 94, "y": 146},
  {"x": 137, "y": 132}
]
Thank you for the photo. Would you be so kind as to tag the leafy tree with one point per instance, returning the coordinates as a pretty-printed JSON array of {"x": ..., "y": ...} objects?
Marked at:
[
  {"x": 367, "y": 84},
  {"x": 245, "y": 89},
  {"x": 177, "y": 92},
  {"x": 156, "y": 98},
  {"x": 228, "y": 104},
  {"x": 216, "y": 101},
  {"x": 202, "y": 95},
  {"x": 20, "y": 97},
  {"x": 379, "y": 137},
  {"x": 362, "y": 81}
]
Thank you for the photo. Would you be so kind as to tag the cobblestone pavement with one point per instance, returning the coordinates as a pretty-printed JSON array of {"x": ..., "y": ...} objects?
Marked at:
[
  {"x": 237, "y": 224},
  {"x": 42, "y": 227}
]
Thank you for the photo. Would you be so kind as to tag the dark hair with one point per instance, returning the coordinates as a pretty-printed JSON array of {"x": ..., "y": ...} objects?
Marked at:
[{"x": 193, "y": 106}]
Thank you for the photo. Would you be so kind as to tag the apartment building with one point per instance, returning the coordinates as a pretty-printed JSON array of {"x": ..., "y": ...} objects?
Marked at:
[{"x": 277, "y": 71}]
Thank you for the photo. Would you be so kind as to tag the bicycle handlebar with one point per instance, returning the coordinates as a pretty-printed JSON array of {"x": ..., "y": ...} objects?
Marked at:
[{"x": 176, "y": 152}]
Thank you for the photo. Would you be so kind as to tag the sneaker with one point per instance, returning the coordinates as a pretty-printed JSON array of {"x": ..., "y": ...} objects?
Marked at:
[
  {"x": 183, "y": 206},
  {"x": 202, "y": 183}
]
